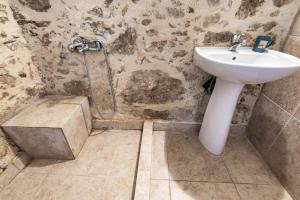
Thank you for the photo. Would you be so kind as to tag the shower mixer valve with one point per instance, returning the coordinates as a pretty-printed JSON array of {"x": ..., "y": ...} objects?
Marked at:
[{"x": 82, "y": 45}]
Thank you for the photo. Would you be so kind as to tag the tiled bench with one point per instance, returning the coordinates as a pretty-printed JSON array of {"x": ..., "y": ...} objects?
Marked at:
[{"x": 55, "y": 127}]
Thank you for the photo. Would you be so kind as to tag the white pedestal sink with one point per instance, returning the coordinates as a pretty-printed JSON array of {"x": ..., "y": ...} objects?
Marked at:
[{"x": 233, "y": 70}]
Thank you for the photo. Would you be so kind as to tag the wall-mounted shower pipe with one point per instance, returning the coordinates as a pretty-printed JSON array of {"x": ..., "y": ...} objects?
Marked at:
[{"x": 82, "y": 45}]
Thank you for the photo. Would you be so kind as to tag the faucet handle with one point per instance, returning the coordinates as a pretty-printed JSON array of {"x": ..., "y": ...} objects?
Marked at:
[{"x": 236, "y": 38}]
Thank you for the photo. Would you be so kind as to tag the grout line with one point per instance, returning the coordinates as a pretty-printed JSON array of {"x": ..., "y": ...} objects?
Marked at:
[
  {"x": 229, "y": 174},
  {"x": 94, "y": 175},
  {"x": 192, "y": 181},
  {"x": 295, "y": 118},
  {"x": 265, "y": 165},
  {"x": 279, "y": 134},
  {"x": 227, "y": 170},
  {"x": 150, "y": 178},
  {"x": 169, "y": 181},
  {"x": 295, "y": 112},
  {"x": 136, "y": 167},
  {"x": 224, "y": 182},
  {"x": 237, "y": 191},
  {"x": 11, "y": 180},
  {"x": 166, "y": 148},
  {"x": 45, "y": 178},
  {"x": 291, "y": 116},
  {"x": 268, "y": 98}
]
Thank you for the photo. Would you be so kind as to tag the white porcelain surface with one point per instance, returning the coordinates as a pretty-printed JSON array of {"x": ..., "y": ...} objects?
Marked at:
[
  {"x": 217, "y": 119},
  {"x": 245, "y": 66},
  {"x": 233, "y": 70}
]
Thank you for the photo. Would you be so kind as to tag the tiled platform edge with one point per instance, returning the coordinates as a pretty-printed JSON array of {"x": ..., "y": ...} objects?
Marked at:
[
  {"x": 159, "y": 125},
  {"x": 142, "y": 186}
]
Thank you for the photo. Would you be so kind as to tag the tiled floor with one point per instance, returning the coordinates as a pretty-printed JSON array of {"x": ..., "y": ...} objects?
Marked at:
[
  {"x": 182, "y": 169},
  {"x": 104, "y": 170}
]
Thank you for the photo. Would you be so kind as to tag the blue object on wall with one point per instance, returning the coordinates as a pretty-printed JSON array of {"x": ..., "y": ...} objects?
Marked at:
[{"x": 261, "y": 43}]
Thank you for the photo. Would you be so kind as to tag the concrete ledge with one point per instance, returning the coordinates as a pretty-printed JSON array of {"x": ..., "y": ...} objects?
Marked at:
[
  {"x": 118, "y": 125},
  {"x": 191, "y": 127},
  {"x": 176, "y": 126},
  {"x": 160, "y": 125}
]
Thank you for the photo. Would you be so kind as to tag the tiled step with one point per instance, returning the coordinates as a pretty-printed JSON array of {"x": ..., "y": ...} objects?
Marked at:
[{"x": 54, "y": 127}]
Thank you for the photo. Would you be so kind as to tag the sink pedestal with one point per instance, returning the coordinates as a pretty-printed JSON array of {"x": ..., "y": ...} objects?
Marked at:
[{"x": 218, "y": 115}]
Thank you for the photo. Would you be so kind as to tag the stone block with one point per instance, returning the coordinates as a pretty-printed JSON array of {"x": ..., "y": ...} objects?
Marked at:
[
  {"x": 54, "y": 127},
  {"x": 78, "y": 100}
]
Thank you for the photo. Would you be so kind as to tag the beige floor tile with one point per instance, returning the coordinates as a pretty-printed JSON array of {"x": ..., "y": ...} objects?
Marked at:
[
  {"x": 118, "y": 188},
  {"x": 262, "y": 192},
  {"x": 160, "y": 190},
  {"x": 24, "y": 186},
  {"x": 188, "y": 160},
  {"x": 60, "y": 187},
  {"x": 125, "y": 153},
  {"x": 8, "y": 175},
  {"x": 112, "y": 153},
  {"x": 124, "y": 161},
  {"x": 244, "y": 163},
  {"x": 182, "y": 190},
  {"x": 159, "y": 165},
  {"x": 92, "y": 160},
  {"x": 41, "y": 166}
]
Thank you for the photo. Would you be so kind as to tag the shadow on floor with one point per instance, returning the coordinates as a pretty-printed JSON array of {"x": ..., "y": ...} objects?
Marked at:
[{"x": 239, "y": 173}]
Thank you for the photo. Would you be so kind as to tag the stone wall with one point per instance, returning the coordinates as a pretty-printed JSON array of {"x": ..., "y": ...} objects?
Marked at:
[
  {"x": 150, "y": 43},
  {"x": 19, "y": 78},
  {"x": 274, "y": 128}
]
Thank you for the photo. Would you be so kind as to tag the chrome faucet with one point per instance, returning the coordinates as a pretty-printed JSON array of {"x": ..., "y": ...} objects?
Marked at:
[
  {"x": 236, "y": 41},
  {"x": 82, "y": 45}
]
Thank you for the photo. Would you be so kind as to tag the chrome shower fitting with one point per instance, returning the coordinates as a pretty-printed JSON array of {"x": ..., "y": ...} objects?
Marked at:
[{"x": 82, "y": 45}]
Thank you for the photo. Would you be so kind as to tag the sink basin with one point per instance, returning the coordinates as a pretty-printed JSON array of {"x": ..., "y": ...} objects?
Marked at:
[
  {"x": 233, "y": 70},
  {"x": 245, "y": 66}
]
